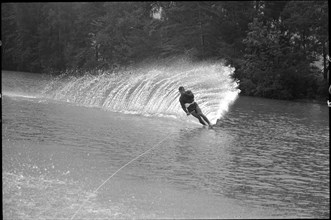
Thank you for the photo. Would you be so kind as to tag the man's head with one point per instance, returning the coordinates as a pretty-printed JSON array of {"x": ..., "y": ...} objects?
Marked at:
[{"x": 181, "y": 89}]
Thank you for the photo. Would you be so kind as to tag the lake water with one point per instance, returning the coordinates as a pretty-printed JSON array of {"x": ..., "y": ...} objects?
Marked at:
[{"x": 268, "y": 159}]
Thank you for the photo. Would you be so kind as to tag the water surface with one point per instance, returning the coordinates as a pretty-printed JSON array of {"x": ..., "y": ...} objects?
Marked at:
[{"x": 269, "y": 159}]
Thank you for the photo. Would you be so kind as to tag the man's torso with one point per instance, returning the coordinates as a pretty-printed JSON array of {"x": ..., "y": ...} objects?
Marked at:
[{"x": 187, "y": 97}]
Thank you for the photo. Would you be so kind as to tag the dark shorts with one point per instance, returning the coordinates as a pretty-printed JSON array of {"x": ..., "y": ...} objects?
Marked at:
[{"x": 194, "y": 107}]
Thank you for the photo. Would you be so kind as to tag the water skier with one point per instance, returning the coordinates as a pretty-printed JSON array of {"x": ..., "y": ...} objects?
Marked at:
[{"x": 189, "y": 106}]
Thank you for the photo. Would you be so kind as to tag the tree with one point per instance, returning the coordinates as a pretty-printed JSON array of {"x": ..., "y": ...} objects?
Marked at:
[
  {"x": 270, "y": 43},
  {"x": 8, "y": 24},
  {"x": 279, "y": 51}
]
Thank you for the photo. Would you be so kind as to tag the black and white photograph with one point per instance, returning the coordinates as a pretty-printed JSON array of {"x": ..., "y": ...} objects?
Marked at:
[{"x": 165, "y": 110}]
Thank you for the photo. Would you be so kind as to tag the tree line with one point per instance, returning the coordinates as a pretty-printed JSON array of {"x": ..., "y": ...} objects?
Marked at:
[{"x": 272, "y": 44}]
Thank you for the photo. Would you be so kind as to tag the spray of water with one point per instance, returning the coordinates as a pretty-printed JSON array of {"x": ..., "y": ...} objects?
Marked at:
[{"x": 151, "y": 90}]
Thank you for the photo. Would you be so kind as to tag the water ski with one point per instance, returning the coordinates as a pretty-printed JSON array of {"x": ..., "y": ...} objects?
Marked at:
[
  {"x": 211, "y": 127},
  {"x": 208, "y": 127}
]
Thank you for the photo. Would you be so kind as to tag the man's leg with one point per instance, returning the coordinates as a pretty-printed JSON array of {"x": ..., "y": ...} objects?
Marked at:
[
  {"x": 198, "y": 117},
  {"x": 199, "y": 113}
]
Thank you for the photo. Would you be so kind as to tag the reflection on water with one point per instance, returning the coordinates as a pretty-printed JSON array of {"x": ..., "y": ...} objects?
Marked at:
[{"x": 270, "y": 156}]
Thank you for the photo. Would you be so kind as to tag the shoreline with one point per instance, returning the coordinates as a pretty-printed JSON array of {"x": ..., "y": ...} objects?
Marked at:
[
  {"x": 303, "y": 100},
  {"x": 321, "y": 101}
]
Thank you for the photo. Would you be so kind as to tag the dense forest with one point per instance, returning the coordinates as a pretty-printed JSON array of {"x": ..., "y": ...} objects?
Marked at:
[{"x": 273, "y": 45}]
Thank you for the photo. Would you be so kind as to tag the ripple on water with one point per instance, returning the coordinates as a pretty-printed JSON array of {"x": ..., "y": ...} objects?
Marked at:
[{"x": 41, "y": 197}]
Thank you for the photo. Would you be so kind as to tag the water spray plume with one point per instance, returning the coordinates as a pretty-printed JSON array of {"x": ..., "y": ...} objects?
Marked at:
[{"x": 151, "y": 89}]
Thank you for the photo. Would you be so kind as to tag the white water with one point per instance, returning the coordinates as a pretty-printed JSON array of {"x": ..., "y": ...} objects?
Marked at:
[{"x": 151, "y": 90}]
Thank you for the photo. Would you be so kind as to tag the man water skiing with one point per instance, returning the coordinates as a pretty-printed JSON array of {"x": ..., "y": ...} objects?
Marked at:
[{"x": 189, "y": 106}]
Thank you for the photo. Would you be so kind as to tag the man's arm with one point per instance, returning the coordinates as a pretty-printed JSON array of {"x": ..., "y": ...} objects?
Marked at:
[{"x": 183, "y": 106}]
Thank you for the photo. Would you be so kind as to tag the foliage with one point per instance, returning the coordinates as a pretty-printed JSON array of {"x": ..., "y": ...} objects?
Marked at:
[
  {"x": 272, "y": 44},
  {"x": 280, "y": 50}
]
